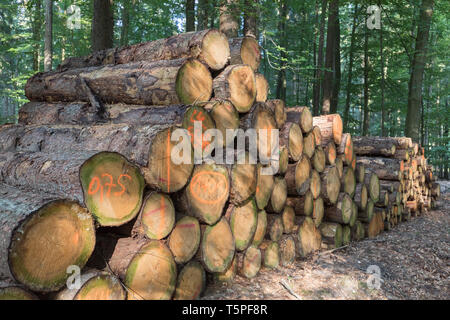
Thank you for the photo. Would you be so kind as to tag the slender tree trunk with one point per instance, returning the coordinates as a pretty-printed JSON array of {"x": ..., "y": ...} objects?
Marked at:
[
  {"x": 125, "y": 24},
  {"x": 102, "y": 25},
  {"x": 383, "y": 111},
  {"x": 350, "y": 70},
  {"x": 281, "y": 81},
  {"x": 251, "y": 13},
  {"x": 366, "y": 120},
  {"x": 190, "y": 15},
  {"x": 48, "y": 39},
  {"x": 202, "y": 15},
  {"x": 319, "y": 65},
  {"x": 229, "y": 18},
  {"x": 418, "y": 66},
  {"x": 327, "y": 82},
  {"x": 36, "y": 34},
  {"x": 336, "y": 67}
]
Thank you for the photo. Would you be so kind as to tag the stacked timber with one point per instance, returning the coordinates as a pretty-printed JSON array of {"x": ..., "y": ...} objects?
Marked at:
[{"x": 93, "y": 178}]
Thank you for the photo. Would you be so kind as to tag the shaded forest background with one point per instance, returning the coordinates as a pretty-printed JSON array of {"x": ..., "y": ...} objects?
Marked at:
[{"x": 317, "y": 53}]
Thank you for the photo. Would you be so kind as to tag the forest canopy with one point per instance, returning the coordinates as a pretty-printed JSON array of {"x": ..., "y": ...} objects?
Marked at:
[{"x": 385, "y": 77}]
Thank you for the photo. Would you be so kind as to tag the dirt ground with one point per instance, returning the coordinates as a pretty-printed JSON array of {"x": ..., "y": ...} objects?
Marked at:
[{"x": 413, "y": 260}]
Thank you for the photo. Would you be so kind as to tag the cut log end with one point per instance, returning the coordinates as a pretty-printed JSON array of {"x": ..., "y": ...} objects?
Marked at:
[
  {"x": 184, "y": 240},
  {"x": 309, "y": 237},
  {"x": 249, "y": 262},
  {"x": 278, "y": 108},
  {"x": 264, "y": 187},
  {"x": 112, "y": 188},
  {"x": 287, "y": 250},
  {"x": 225, "y": 117},
  {"x": 261, "y": 228},
  {"x": 191, "y": 282},
  {"x": 56, "y": 236},
  {"x": 214, "y": 51},
  {"x": 16, "y": 293},
  {"x": 193, "y": 82},
  {"x": 243, "y": 223},
  {"x": 262, "y": 88},
  {"x": 157, "y": 216}
]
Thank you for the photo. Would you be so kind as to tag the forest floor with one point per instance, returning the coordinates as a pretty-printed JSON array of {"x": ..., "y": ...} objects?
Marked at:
[{"x": 413, "y": 260}]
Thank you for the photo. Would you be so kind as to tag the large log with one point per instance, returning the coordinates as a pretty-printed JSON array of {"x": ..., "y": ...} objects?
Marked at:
[
  {"x": 374, "y": 146},
  {"x": 208, "y": 46},
  {"x": 149, "y": 83},
  {"x": 330, "y": 127},
  {"x": 41, "y": 237},
  {"x": 238, "y": 85},
  {"x": 245, "y": 50},
  {"x": 385, "y": 168}
]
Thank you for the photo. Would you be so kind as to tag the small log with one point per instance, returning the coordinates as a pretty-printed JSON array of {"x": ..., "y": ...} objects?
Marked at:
[
  {"x": 318, "y": 159},
  {"x": 346, "y": 235},
  {"x": 191, "y": 282},
  {"x": 302, "y": 205},
  {"x": 361, "y": 196},
  {"x": 288, "y": 217},
  {"x": 278, "y": 197},
  {"x": 298, "y": 177},
  {"x": 309, "y": 145},
  {"x": 330, "y": 153},
  {"x": 249, "y": 262},
  {"x": 264, "y": 188},
  {"x": 342, "y": 211},
  {"x": 245, "y": 50},
  {"x": 317, "y": 136},
  {"x": 346, "y": 148},
  {"x": 291, "y": 137},
  {"x": 278, "y": 108},
  {"x": 339, "y": 166},
  {"x": 302, "y": 116},
  {"x": 228, "y": 275},
  {"x": 237, "y": 84},
  {"x": 287, "y": 249},
  {"x": 358, "y": 232},
  {"x": 308, "y": 237},
  {"x": 243, "y": 221},
  {"x": 331, "y": 234},
  {"x": 261, "y": 228},
  {"x": 373, "y": 185},
  {"x": 331, "y": 185},
  {"x": 274, "y": 227},
  {"x": 348, "y": 181},
  {"x": 318, "y": 211},
  {"x": 330, "y": 127},
  {"x": 184, "y": 240},
  {"x": 360, "y": 172},
  {"x": 366, "y": 215},
  {"x": 315, "y": 185},
  {"x": 225, "y": 117},
  {"x": 270, "y": 254},
  {"x": 374, "y": 146},
  {"x": 262, "y": 88}
]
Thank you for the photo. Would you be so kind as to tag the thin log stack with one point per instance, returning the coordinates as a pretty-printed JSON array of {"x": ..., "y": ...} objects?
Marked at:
[{"x": 88, "y": 180}]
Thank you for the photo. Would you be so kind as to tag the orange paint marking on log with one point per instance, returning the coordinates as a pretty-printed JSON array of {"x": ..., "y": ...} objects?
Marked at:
[
  {"x": 195, "y": 184},
  {"x": 186, "y": 225},
  {"x": 117, "y": 193}
]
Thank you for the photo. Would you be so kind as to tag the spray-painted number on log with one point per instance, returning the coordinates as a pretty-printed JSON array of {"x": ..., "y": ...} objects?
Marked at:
[{"x": 96, "y": 185}]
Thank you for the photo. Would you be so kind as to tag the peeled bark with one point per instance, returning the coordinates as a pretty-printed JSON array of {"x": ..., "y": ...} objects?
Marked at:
[
  {"x": 208, "y": 46},
  {"x": 41, "y": 237},
  {"x": 148, "y": 83}
]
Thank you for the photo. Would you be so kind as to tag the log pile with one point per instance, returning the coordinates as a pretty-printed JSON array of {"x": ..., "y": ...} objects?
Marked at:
[{"x": 88, "y": 181}]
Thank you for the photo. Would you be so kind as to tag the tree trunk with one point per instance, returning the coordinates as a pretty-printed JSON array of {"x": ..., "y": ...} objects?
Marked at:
[
  {"x": 190, "y": 15},
  {"x": 418, "y": 65},
  {"x": 327, "y": 83},
  {"x": 319, "y": 66},
  {"x": 36, "y": 35},
  {"x": 102, "y": 25},
  {"x": 229, "y": 18},
  {"x": 366, "y": 119},
  {"x": 281, "y": 81},
  {"x": 336, "y": 66},
  {"x": 203, "y": 14},
  {"x": 350, "y": 69},
  {"x": 48, "y": 40},
  {"x": 382, "y": 71},
  {"x": 125, "y": 23},
  {"x": 251, "y": 13}
]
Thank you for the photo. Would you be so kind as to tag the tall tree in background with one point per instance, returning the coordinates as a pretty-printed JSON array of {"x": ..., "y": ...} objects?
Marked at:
[
  {"x": 48, "y": 38},
  {"x": 229, "y": 18},
  {"x": 319, "y": 64},
  {"x": 125, "y": 16},
  {"x": 203, "y": 14},
  {"x": 350, "y": 69},
  {"x": 251, "y": 13},
  {"x": 281, "y": 81},
  {"x": 382, "y": 71},
  {"x": 366, "y": 118},
  {"x": 327, "y": 83},
  {"x": 102, "y": 25},
  {"x": 190, "y": 15},
  {"x": 336, "y": 66},
  {"x": 37, "y": 22},
  {"x": 418, "y": 66}
]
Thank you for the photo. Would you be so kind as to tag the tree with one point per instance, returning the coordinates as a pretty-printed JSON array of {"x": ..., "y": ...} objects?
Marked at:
[
  {"x": 48, "y": 42},
  {"x": 418, "y": 66},
  {"x": 125, "y": 15},
  {"x": 336, "y": 67},
  {"x": 382, "y": 71},
  {"x": 190, "y": 15},
  {"x": 203, "y": 14},
  {"x": 366, "y": 118},
  {"x": 350, "y": 69},
  {"x": 281, "y": 82},
  {"x": 319, "y": 64},
  {"x": 327, "y": 83},
  {"x": 102, "y": 25},
  {"x": 229, "y": 16},
  {"x": 36, "y": 34},
  {"x": 251, "y": 18}
]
